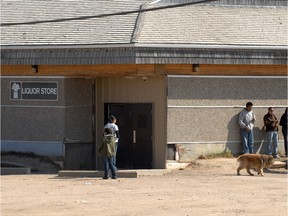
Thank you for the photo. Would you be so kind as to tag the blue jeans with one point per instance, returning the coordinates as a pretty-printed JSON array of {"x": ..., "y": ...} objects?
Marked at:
[
  {"x": 114, "y": 158},
  {"x": 247, "y": 139},
  {"x": 284, "y": 131},
  {"x": 272, "y": 136},
  {"x": 108, "y": 164}
]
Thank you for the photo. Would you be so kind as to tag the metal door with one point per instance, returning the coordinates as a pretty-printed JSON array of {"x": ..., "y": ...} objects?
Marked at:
[{"x": 135, "y": 127}]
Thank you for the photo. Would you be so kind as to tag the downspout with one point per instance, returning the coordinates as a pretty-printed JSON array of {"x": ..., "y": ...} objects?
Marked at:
[{"x": 93, "y": 125}]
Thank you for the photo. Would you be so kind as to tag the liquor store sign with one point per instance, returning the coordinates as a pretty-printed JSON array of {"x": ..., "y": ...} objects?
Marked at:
[{"x": 20, "y": 90}]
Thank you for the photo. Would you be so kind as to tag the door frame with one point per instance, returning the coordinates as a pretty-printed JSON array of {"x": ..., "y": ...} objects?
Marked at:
[{"x": 122, "y": 90}]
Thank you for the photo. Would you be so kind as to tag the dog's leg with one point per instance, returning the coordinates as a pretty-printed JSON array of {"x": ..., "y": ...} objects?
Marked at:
[
  {"x": 238, "y": 170},
  {"x": 260, "y": 170},
  {"x": 248, "y": 170}
]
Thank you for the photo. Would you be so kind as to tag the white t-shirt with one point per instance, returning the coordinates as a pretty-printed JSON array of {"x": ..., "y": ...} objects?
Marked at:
[
  {"x": 113, "y": 128},
  {"x": 246, "y": 119}
]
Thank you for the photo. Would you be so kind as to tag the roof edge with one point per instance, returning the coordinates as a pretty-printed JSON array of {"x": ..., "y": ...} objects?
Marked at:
[
  {"x": 66, "y": 46},
  {"x": 131, "y": 45},
  {"x": 212, "y": 46}
]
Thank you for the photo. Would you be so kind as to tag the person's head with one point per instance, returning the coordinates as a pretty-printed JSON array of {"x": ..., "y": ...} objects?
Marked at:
[
  {"x": 107, "y": 131},
  {"x": 112, "y": 119},
  {"x": 271, "y": 110},
  {"x": 249, "y": 106}
]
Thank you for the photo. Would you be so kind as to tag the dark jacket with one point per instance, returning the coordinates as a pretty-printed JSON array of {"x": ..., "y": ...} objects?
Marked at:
[
  {"x": 107, "y": 148},
  {"x": 271, "y": 122},
  {"x": 283, "y": 120}
]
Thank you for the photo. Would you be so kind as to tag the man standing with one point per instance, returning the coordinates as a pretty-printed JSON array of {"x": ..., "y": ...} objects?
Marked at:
[
  {"x": 271, "y": 124},
  {"x": 115, "y": 132},
  {"x": 246, "y": 121},
  {"x": 107, "y": 151},
  {"x": 283, "y": 123}
]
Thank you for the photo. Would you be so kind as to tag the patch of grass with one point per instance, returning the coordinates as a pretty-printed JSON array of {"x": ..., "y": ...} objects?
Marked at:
[{"x": 225, "y": 154}]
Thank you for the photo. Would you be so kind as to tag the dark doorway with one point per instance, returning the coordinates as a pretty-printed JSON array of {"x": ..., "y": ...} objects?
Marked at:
[{"x": 135, "y": 128}]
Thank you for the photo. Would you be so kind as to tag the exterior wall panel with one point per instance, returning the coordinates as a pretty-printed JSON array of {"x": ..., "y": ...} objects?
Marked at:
[
  {"x": 203, "y": 112},
  {"x": 39, "y": 126}
]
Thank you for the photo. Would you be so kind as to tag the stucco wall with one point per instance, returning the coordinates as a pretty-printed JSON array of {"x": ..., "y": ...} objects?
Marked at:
[
  {"x": 39, "y": 126},
  {"x": 202, "y": 111}
]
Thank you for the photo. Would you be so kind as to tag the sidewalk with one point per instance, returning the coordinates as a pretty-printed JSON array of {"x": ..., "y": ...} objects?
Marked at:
[{"x": 171, "y": 165}]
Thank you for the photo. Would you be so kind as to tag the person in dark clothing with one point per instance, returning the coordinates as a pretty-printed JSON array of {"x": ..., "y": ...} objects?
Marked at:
[
  {"x": 108, "y": 150},
  {"x": 271, "y": 124},
  {"x": 283, "y": 123}
]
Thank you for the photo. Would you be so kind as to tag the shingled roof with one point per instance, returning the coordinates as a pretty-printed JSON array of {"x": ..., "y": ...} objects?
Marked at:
[
  {"x": 109, "y": 30},
  {"x": 215, "y": 25},
  {"x": 210, "y": 33}
]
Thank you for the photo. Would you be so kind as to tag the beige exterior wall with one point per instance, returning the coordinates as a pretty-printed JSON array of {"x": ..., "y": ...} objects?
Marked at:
[
  {"x": 136, "y": 90},
  {"x": 216, "y": 100},
  {"x": 203, "y": 111}
]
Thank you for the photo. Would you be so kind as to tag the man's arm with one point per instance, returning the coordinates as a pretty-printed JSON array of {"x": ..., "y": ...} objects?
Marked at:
[
  {"x": 267, "y": 120},
  {"x": 117, "y": 134}
]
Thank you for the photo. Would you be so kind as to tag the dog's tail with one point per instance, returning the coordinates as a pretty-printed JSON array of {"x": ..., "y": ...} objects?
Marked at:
[{"x": 239, "y": 158}]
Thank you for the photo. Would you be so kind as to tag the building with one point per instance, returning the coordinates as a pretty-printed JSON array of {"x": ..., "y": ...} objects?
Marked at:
[{"x": 175, "y": 78}]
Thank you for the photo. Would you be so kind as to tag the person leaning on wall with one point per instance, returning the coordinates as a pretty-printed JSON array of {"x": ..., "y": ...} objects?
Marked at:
[
  {"x": 271, "y": 124},
  {"x": 283, "y": 123},
  {"x": 246, "y": 122}
]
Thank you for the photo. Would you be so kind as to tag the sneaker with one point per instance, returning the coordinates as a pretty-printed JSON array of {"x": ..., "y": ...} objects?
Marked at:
[
  {"x": 105, "y": 177},
  {"x": 115, "y": 177},
  {"x": 276, "y": 156}
]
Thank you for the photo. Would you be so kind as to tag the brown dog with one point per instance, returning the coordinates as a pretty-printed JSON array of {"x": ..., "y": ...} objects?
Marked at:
[{"x": 257, "y": 161}]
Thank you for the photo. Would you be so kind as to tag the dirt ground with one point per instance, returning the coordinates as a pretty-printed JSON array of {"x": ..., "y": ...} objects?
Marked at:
[{"x": 207, "y": 187}]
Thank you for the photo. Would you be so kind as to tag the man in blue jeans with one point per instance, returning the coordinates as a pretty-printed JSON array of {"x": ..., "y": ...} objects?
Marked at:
[
  {"x": 246, "y": 122},
  {"x": 115, "y": 132},
  {"x": 271, "y": 124},
  {"x": 107, "y": 151}
]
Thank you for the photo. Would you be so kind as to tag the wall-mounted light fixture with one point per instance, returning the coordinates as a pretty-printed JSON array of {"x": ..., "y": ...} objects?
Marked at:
[
  {"x": 35, "y": 68},
  {"x": 196, "y": 67}
]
